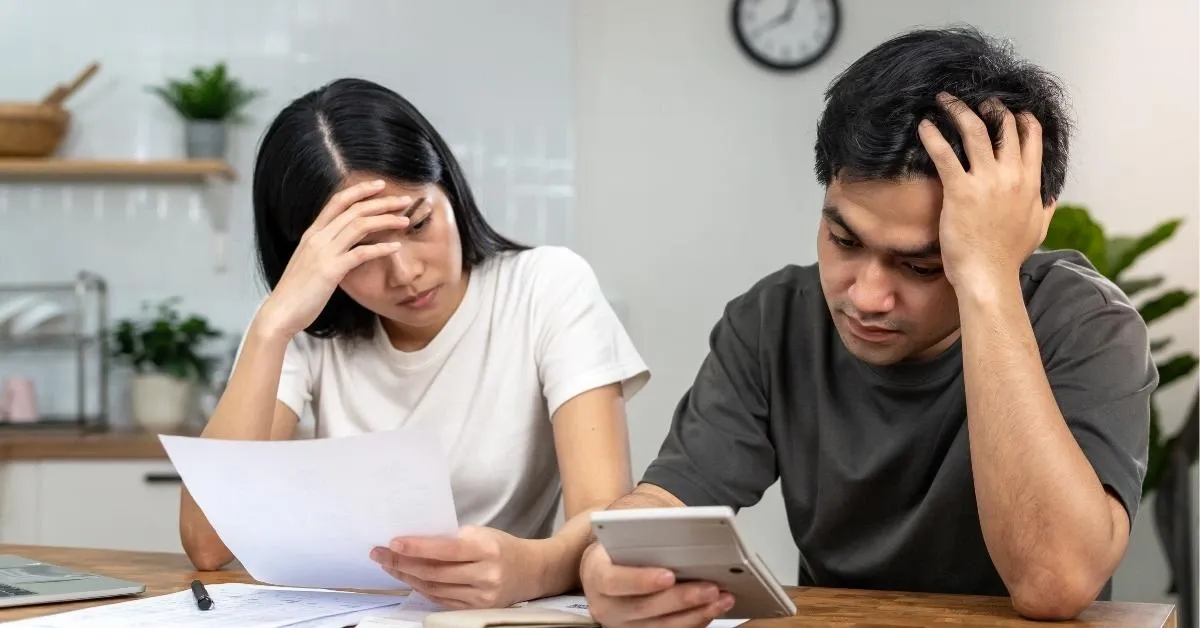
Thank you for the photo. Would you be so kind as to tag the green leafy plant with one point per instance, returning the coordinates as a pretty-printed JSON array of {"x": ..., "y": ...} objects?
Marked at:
[
  {"x": 1074, "y": 228},
  {"x": 208, "y": 94},
  {"x": 166, "y": 342}
]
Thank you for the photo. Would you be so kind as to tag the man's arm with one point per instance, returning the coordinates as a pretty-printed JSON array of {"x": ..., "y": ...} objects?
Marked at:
[
  {"x": 1047, "y": 444},
  {"x": 718, "y": 452},
  {"x": 1053, "y": 531}
]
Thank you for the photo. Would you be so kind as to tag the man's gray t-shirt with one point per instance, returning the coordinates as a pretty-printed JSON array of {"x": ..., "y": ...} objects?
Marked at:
[{"x": 873, "y": 462}]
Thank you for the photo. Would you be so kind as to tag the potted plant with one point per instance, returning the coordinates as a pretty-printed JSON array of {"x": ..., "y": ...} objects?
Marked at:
[
  {"x": 164, "y": 351},
  {"x": 209, "y": 100},
  {"x": 1074, "y": 228}
]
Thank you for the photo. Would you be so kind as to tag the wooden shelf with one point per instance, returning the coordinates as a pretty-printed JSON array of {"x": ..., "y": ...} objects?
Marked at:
[{"x": 80, "y": 169}]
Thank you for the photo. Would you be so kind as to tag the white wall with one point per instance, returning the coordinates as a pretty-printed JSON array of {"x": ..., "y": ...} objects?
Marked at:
[
  {"x": 495, "y": 79},
  {"x": 695, "y": 170}
]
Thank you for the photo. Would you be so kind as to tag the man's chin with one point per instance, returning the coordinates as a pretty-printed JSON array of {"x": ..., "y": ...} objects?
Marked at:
[{"x": 871, "y": 353}]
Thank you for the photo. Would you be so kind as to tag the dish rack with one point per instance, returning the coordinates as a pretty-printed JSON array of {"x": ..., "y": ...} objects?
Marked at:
[{"x": 69, "y": 316}]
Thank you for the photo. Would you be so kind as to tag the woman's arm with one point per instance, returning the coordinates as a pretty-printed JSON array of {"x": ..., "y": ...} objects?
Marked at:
[
  {"x": 248, "y": 410},
  {"x": 592, "y": 442}
]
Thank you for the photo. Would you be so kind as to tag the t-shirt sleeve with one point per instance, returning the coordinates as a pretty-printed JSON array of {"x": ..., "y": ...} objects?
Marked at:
[
  {"x": 1101, "y": 373},
  {"x": 718, "y": 451},
  {"x": 580, "y": 342}
]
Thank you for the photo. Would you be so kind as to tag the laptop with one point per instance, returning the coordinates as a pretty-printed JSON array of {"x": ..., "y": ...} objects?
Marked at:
[{"x": 24, "y": 581}]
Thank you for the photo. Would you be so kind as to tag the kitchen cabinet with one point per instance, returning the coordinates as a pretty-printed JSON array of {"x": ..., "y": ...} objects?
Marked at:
[{"x": 96, "y": 503}]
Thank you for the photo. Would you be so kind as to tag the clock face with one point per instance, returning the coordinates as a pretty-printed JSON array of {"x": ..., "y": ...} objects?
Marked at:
[{"x": 785, "y": 34}]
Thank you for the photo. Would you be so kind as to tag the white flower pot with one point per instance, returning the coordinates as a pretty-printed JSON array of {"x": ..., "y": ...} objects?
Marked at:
[
  {"x": 161, "y": 403},
  {"x": 205, "y": 139}
]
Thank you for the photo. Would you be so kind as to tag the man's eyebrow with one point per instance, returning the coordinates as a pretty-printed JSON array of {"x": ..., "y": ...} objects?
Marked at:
[
  {"x": 832, "y": 214},
  {"x": 927, "y": 250}
]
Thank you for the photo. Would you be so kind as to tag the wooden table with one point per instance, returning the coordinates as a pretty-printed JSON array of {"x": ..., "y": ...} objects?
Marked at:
[
  {"x": 169, "y": 573},
  {"x": 66, "y": 444}
]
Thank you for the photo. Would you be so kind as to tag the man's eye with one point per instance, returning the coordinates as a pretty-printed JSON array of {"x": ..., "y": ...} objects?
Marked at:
[
  {"x": 843, "y": 242},
  {"x": 925, "y": 271}
]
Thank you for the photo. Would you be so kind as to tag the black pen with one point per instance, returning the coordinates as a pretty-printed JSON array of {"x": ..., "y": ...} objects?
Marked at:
[{"x": 202, "y": 599}]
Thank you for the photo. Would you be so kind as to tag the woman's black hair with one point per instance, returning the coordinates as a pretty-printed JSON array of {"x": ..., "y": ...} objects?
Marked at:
[{"x": 352, "y": 126}]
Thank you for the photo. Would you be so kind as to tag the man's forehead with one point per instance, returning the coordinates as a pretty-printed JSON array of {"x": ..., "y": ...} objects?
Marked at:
[{"x": 901, "y": 217}]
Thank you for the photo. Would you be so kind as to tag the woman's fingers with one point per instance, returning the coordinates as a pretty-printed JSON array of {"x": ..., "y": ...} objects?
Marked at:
[{"x": 344, "y": 199}]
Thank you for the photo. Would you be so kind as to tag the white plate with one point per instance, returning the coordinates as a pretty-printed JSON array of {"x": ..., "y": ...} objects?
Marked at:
[
  {"x": 13, "y": 307},
  {"x": 46, "y": 317}
]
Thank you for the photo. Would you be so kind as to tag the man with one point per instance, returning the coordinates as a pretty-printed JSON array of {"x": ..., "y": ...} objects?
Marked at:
[{"x": 947, "y": 409}]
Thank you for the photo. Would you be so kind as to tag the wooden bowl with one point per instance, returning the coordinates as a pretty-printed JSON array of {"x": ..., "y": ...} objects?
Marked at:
[{"x": 31, "y": 129}]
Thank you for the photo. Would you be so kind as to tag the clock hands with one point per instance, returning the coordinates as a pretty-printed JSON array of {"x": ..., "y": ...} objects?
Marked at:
[{"x": 782, "y": 18}]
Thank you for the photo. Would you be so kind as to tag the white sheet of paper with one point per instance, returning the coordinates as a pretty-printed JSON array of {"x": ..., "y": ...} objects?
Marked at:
[
  {"x": 578, "y": 604},
  {"x": 244, "y": 605},
  {"x": 414, "y": 609},
  {"x": 306, "y": 513}
]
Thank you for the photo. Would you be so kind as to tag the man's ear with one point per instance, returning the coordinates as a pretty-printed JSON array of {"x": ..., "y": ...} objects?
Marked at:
[{"x": 1047, "y": 216}]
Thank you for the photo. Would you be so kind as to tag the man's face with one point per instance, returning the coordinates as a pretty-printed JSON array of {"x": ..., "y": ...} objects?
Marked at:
[{"x": 881, "y": 270}]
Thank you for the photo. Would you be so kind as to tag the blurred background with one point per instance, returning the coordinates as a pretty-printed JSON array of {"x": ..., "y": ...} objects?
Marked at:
[{"x": 638, "y": 133}]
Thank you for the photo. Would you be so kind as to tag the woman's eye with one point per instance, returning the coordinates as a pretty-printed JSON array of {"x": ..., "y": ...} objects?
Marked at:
[{"x": 418, "y": 227}]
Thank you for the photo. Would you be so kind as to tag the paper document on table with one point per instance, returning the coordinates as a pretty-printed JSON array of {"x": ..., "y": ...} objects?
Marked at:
[
  {"x": 578, "y": 604},
  {"x": 306, "y": 513},
  {"x": 242, "y": 605},
  {"x": 410, "y": 614}
]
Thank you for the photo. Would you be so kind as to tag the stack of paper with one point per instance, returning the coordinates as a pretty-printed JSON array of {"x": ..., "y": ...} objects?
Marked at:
[
  {"x": 306, "y": 513},
  {"x": 410, "y": 614},
  {"x": 242, "y": 605}
]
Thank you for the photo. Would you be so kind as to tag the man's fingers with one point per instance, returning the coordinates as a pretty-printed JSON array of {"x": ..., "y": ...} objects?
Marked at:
[
  {"x": 695, "y": 617},
  {"x": 1009, "y": 150},
  {"x": 677, "y": 600},
  {"x": 621, "y": 581},
  {"x": 940, "y": 151},
  {"x": 977, "y": 143},
  {"x": 1030, "y": 131}
]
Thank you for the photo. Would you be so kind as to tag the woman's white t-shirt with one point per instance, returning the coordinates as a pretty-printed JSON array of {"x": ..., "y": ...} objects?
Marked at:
[{"x": 532, "y": 331}]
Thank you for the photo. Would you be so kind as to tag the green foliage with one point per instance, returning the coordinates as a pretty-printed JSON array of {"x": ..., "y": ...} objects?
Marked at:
[
  {"x": 208, "y": 94},
  {"x": 1074, "y": 228},
  {"x": 165, "y": 342}
]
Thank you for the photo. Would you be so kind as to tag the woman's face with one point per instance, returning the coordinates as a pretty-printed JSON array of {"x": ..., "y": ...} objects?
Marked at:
[{"x": 418, "y": 287}]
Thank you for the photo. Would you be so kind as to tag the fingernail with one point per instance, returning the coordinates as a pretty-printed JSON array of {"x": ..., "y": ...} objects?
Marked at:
[
  {"x": 377, "y": 183},
  {"x": 666, "y": 578},
  {"x": 397, "y": 546},
  {"x": 711, "y": 593},
  {"x": 376, "y": 554},
  {"x": 726, "y": 602}
]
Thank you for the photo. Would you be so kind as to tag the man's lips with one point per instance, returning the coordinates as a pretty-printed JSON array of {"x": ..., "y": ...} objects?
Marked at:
[{"x": 870, "y": 333}]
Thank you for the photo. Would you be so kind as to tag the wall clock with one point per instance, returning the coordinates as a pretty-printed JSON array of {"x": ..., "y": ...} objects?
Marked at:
[{"x": 785, "y": 35}]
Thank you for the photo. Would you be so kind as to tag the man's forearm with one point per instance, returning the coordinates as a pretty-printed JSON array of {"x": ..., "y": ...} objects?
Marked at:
[
  {"x": 564, "y": 551},
  {"x": 1047, "y": 521}
]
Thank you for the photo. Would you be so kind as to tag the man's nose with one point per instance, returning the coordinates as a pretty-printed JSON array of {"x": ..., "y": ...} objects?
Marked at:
[{"x": 872, "y": 292}]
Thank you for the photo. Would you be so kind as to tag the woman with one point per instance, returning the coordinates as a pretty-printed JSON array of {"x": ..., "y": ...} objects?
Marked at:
[{"x": 394, "y": 303}]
